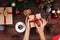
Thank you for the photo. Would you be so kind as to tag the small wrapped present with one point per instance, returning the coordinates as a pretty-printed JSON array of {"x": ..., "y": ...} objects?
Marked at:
[
  {"x": 34, "y": 19},
  {"x": 6, "y": 15}
]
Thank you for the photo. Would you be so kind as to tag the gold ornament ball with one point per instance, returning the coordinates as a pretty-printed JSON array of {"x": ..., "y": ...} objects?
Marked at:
[{"x": 27, "y": 12}]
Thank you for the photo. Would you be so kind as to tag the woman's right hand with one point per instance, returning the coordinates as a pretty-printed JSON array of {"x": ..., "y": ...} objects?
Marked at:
[
  {"x": 40, "y": 28},
  {"x": 42, "y": 25}
]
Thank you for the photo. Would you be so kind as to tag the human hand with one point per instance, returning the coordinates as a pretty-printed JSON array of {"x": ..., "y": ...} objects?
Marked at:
[
  {"x": 42, "y": 25},
  {"x": 27, "y": 23},
  {"x": 27, "y": 32}
]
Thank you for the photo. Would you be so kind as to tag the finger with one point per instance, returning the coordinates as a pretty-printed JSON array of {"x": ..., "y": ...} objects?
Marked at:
[
  {"x": 40, "y": 22},
  {"x": 44, "y": 20},
  {"x": 26, "y": 19},
  {"x": 36, "y": 25}
]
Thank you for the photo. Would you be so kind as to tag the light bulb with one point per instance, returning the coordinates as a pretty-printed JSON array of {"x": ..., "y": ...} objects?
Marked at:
[
  {"x": 53, "y": 11},
  {"x": 58, "y": 11},
  {"x": 13, "y": 4}
]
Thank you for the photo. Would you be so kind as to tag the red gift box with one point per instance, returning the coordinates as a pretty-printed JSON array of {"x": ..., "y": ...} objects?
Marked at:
[
  {"x": 5, "y": 15},
  {"x": 56, "y": 37},
  {"x": 34, "y": 19}
]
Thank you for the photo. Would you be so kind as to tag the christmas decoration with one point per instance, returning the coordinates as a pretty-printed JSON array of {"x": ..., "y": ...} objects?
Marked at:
[
  {"x": 34, "y": 19},
  {"x": 18, "y": 4},
  {"x": 58, "y": 11},
  {"x": 17, "y": 11},
  {"x": 54, "y": 14},
  {"x": 53, "y": 11},
  {"x": 37, "y": 1},
  {"x": 48, "y": 9},
  {"x": 2, "y": 27},
  {"x": 13, "y": 4},
  {"x": 5, "y": 15},
  {"x": 48, "y": 5},
  {"x": 27, "y": 12},
  {"x": 41, "y": 6},
  {"x": 20, "y": 27}
]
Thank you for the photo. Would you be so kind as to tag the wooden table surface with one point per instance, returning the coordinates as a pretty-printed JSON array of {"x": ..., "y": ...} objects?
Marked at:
[{"x": 9, "y": 32}]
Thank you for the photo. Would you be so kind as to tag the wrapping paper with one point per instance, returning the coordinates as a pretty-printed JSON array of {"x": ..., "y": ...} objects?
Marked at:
[
  {"x": 34, "y": 19},
  {"x": 6, "y": 15}
]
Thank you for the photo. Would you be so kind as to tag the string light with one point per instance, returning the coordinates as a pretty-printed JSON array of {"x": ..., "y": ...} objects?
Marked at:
[
  {"x": 53, "y": 11},
  {"x": 13, "y": 4},
  {"x": 58, "y": 11}
]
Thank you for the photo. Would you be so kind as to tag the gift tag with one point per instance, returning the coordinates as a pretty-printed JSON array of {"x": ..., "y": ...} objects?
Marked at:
[
  {"x": 20, "y": 27},
  {"x": 5, "y": 12}
]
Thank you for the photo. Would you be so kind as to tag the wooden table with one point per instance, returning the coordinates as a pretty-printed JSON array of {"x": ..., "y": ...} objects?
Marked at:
[{"x": 9, "y": 32}]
